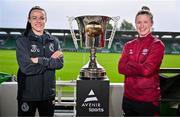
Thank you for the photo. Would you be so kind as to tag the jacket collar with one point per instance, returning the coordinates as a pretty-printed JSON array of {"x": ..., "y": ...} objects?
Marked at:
[
  {"x": 43, "y": 38},
  {"x": 147, "y": 36}
]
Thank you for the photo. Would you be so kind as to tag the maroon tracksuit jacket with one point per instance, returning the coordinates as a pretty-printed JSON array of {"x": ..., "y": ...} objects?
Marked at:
[{"x": 140, "y": 62}]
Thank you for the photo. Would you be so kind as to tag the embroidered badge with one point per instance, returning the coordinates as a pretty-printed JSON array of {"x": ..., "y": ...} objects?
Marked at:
[
  {"x": 24, "y": 107},
  {"x": 145, "y": 51},
  {"x": 51, "y": 47},
  {"x": 34, "y": 48},
  {"x": 130, "y": 51}
]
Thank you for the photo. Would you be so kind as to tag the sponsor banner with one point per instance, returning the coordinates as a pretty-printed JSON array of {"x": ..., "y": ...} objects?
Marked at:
[{"x": 92, "y": 97}]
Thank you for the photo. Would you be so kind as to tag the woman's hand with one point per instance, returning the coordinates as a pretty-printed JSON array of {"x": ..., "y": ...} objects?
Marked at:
[
  {"x": 57, "y": 54},
  {"x": 34, "y": 60}
]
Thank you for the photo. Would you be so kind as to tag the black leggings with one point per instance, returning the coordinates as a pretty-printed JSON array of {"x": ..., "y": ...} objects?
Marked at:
[
  {"x": 137, "y": 108},
  {"x": 28, "y": 108}
]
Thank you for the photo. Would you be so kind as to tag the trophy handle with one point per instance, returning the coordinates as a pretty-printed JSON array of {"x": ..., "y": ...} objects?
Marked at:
[
  {"x": 115, "y": 19},
  {"x": 70, "y": 19}
]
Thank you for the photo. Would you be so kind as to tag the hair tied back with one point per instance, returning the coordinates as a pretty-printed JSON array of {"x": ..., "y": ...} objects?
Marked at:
[{"x": 145, "y": 8}]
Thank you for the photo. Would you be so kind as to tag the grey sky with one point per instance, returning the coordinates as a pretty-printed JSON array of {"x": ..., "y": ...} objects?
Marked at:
[{"x": 13, "y": 13}]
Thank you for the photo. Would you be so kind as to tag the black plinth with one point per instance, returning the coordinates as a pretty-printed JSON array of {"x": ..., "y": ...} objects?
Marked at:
[{"x": 92, "y": 98}]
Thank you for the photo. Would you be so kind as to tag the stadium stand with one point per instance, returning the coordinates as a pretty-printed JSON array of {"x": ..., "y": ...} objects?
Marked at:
[{"x": 171, "y": 40}]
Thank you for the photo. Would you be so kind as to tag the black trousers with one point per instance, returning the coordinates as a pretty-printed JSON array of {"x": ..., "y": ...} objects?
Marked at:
[
  {"x": 28, "y": 108},
  {"x": 178, "y": 110},
  {"x": 137, "y": 108}
]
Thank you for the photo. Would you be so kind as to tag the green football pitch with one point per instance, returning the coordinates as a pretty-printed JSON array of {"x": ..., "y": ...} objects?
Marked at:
[{"x": 74, "y": 61}]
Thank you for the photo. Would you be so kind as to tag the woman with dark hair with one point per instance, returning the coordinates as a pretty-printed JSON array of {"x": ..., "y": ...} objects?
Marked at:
[
  {"x": 140, "y": 62},
  {"x": 38, "y": 55},
  {"x": 28, "y": 25}
]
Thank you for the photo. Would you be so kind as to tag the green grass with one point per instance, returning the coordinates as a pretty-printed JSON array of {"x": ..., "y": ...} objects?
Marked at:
[{"x": 74, "y": 61}]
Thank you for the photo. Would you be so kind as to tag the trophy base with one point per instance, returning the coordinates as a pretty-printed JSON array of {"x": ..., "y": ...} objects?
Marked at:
[{"x": 92, "y": 74}]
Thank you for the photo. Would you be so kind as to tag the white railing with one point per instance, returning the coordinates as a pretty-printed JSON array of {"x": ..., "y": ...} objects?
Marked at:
[{"x": 65, "y": 101}]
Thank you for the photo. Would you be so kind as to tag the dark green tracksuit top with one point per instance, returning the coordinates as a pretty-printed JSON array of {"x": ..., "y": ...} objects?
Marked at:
[{"x": 36, "y": 82}]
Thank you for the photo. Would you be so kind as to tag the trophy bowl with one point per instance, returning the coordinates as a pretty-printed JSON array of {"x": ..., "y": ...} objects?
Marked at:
[
  {"x": 92, "y": 35},
  {"x": 93, "y": 29}
]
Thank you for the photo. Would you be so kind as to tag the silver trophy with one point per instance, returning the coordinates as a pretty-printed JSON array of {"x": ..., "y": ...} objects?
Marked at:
[{"x": 92, "y": 35}]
